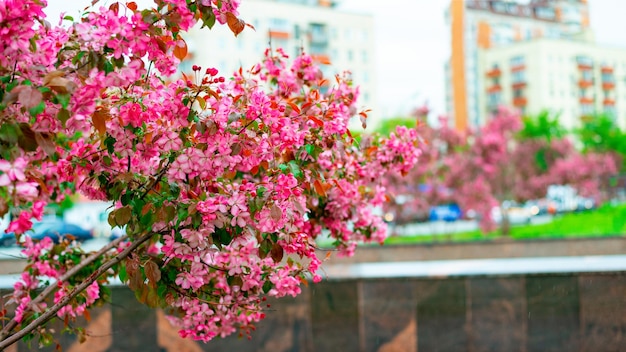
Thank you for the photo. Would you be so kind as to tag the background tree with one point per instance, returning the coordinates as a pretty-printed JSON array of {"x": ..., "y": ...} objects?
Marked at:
[
  {"x": 222, "y": 184},
  {"x": 601, "y": 134},
  {"x": 509, "y": 158}
]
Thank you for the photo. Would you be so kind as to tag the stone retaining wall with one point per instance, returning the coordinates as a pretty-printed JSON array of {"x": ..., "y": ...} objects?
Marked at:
[{"x": 564, "y": 312}]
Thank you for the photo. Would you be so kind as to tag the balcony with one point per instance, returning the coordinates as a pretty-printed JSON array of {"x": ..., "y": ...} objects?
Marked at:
[
  {"x": 585, "y": 83},
  {"x": 585, "y": 66},
  {"x": 608, "y": 85},
  {"x": 494, "y": 89},
  {"x": 494, "y": 72},
  {"x": 607, "y": 69},
  {"x": 608, "y": 102},
  {"x": 519, "y": 84},
  {"x": 518, "y": 67},
  {"x": 321, "y": 58},
  {"x": 585, "y": 100},
  {"x": 276, "y": 34},
  {"x": 520, "y": 102}
]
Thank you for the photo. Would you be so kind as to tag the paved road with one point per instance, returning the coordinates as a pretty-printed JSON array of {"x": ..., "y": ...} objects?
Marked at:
[{"x": 445, "y": 228}]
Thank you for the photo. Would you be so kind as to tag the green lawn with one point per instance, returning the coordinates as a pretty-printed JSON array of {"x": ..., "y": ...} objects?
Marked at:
[{"x": 605, "y": 221}]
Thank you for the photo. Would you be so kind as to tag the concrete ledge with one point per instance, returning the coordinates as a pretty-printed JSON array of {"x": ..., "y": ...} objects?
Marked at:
[{"x": 503, "y": 248}]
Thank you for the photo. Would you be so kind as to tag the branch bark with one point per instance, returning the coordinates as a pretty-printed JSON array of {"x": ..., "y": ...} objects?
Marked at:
[
  {"x": 49, "y": 314},
  {"x": 48, "y": 290}
]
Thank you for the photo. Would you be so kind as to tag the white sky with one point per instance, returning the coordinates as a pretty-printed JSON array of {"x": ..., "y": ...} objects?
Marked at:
[{"x": 412, "y": 43}]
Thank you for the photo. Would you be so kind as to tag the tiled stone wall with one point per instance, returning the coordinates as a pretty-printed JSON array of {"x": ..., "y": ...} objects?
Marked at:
[{"x": 573, "y": 312}]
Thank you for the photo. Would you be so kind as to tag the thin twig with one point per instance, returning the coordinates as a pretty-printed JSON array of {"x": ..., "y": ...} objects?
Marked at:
[{"x": 73, "y": 271}]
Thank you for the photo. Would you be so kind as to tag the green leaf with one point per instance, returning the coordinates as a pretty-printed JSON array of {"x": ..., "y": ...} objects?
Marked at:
[
  {"x": 63, "y": 116},
  {"x": 310, "y": 148},
  {"x": 9, "y": 133},
  {"x": 122, "y": 215},
  {"x": 108, "y": 67},
  {"x": 123, "y": 274},
  {"x": 110, "y": 144},
  {"x": 34, "y": 111},
  {"x": 63, "y": 99},
  {"x": 162, "y": 290},
  {"x": 78, "y": 57},
  {"x": 69, "y": 18},
  {"x": 295, "y": 169},
  {"x": 260, "y": 191},
  {"x": 267, "y": 286},
  {"x": 264, "y": 248}
]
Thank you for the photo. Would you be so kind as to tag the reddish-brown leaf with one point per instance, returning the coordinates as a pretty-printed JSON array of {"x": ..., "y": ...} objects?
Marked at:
[
  {"x": 235, "y": 24},
  {"x": 277, "y": 252},
  {"x": 276, "y": 213},
  {"x": 99, "y": 119},
  {"x": 52, "y": 74},
  {"x": 27, "y": 139},
  {"x": 4, "y": 208},
  {"x": 61, "y": 85},
  {"x": 161, "y": 44},
  {"x": 44, "y": 140},
  {"x": 294, "y": 107},
  {"x": 235, "y": 149},
  {"x": 29, "y": 97},
  {"x": 115, "y": 7},
  {"x": 317, "y": 121},
  {"x": 152, "y": 272},
  {"x": 132, "y": 6},
  {"x": 180, "y": 50},
  {"x": 319, "y": 188}
]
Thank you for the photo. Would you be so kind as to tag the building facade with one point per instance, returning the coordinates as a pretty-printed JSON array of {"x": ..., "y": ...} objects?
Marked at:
[
  {"x": 338, "y": 40},
  {"x": 485, "y": 24},
  {"x": 573, "y": 79}
]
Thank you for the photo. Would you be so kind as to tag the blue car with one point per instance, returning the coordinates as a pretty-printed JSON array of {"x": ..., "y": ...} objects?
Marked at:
[
  {"x": 52, "y": 227},
  {"x": 449, "y": 213},
  {"x": 58, "y": 229}
]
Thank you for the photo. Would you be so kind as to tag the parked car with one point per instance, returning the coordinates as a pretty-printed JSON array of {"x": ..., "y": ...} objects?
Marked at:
[
  {"x": 49, "y": 226},
  {"x": 449, "y": 213},
  {"x": 516, "y": 213},
  {"x": 7, "y": 239},
  {"x": 58, "y": 229}
]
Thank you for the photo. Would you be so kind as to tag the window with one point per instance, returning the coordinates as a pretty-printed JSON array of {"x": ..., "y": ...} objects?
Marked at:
[
  {"x": 364, "y": 56},
  {"x": 586, "y": 109},
  {"x": 350, "y": 55},
  {"x": 517, "y": 61},
  {"x": 296, "y": 32},
  {"x": 494, "y": 98},
  {"x": 518, "y": 93},
  {"x": 608, "y": 77},
  {"x": 519, "y": 76},
  {"x": 584, "y": 60},
  {"x": 587, "y": 75},
  {"x": 279, "y": 24}
]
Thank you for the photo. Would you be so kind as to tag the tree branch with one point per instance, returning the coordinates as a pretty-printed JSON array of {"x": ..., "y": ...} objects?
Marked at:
[
  {"x": 49, "y": 314},
  {"x": 48, "y": 290}
]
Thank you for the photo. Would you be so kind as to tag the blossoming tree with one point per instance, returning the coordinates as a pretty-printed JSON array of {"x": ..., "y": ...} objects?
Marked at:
[
  {"x": 509, "y": 158},
  {"x": 222, "y": 184}
]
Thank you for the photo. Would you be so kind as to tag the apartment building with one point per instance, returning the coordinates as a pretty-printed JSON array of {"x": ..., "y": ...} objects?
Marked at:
[
  {"x": 573, "y": 79},
  {"x": 343, "y": 39},
  {"x": 487, "y": 24}
]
